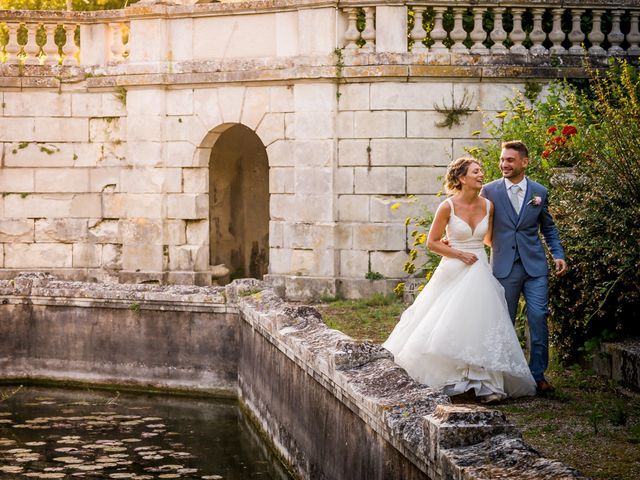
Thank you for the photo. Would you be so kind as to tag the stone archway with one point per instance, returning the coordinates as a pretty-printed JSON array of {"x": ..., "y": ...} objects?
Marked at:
[{"x": 239, "y": 203}]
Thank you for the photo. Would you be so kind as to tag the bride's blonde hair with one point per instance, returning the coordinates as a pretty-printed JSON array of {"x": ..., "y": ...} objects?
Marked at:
[{"x": 456, "y": 169}]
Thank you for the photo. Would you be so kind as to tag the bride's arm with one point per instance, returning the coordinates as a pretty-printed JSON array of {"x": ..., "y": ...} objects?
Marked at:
[
  {"x": 436, "y": 232},
  {"x": 488, "y": 238}
]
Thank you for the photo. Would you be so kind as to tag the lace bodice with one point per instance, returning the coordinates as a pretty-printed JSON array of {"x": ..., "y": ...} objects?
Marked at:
[{"x": 460, "y": 234}]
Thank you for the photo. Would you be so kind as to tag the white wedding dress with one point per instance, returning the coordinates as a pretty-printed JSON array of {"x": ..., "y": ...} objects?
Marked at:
[{"x": 457, "y": 335}]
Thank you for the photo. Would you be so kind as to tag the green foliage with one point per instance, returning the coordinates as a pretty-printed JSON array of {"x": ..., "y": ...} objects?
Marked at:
[{"x": 373, "y": 275}]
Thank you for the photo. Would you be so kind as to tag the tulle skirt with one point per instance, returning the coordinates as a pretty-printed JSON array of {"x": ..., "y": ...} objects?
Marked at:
[{"x": 458, "y": 336}]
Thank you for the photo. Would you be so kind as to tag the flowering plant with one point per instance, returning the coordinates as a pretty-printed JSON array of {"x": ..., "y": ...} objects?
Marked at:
[{"x": 558, "y": 146}]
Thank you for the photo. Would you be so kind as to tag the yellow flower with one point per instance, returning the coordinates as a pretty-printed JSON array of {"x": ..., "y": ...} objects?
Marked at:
[
  {"x": 421, "y": 238},
  {"x": 475, "y": 133},
  {"x": 395, "y": 206},
  {"x": 501, "y": 115}
]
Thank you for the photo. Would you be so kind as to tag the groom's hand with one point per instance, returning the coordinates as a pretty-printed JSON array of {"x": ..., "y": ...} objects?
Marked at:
[{"x": 561, "y": 266}]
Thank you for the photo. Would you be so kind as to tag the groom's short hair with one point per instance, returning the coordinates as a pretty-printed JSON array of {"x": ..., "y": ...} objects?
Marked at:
[{"x": 518, "y": 146}]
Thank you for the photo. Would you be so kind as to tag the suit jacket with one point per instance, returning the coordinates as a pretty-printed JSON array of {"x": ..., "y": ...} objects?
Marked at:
[{"x": 521, "y": 233}]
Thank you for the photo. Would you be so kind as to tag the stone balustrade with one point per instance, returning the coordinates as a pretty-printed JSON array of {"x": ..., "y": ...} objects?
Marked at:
[
  {"x": 596, "y": 27},
  {"x": 480, "y": 27}
]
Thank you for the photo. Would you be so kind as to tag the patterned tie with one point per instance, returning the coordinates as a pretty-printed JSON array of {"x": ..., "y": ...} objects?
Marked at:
[{"x": 515, "y": 189}]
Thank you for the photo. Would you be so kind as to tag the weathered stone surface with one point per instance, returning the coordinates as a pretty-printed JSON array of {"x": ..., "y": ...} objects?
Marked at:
[
  {"x": 104, "y": 231},
  {"x": 37, "y": 255},
  {"x": 354, "y": 263},
  {"x": 620, "y": 361},
  {"x": 389, "y": 180},
  {"x": 16, "y": 230},
  {"x": 62, "y": 230},
  {"x": 19, "y": 180},
  {"x": 87, "y": 255},
  {"x": 380, "y": 124}
]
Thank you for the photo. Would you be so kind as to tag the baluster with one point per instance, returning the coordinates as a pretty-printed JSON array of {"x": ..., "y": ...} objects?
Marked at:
[
  {"x": 596, "y": 37},
  {"x": 117, "y": 46},
  {"x": 31, "y": 48},
  {"x": 498, "y": 35},
  {"x": 537, "y": 34},
  {"x": 50, "y": 48},
  {"x": 352, "y": 34},
  {"x": 458, "y": 34},
  {"x": 13, "y": 47},
  {"x": 438, "y": 34},
  {"x": 633, "y": 37},
  {"x": 557, "y": 35},
  {"x": 576, "y": 36},
  {"x": 70, "y": 48},
  {"x": 478, "y": 34},
  {"x": 616, "y": 37},
  {"x": 418, "y": 33},
  {"x": 518, "y": 35},
  {"x": 125, "y": 33},
  {"x": 369, "y": 32}
]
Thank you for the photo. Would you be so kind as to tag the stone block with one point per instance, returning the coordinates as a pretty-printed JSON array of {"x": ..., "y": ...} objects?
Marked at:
[
  {"x": 18, "y": 129},
  {"x": 314, "y": 97},
  {"x": 17, "y": 180},
  {"x": 61, "y": 230},
  {"x": 388, "y": 180},
  {"x": 391, "y": 31},
  {"x": 314, "y": 153},
  {"x": 313, "y": 208},
  {"x": 35, "y": 154},
  {"x": 206, "y": 107},
  {"x": 142, "y": 258},
  {"x": 86, "y": 205},
  {"x": 316, "y": 31},
  {"x": 178, "y": 154},
  {"x": 144, "y": 205},
  {"x": 50, "y": 129},
  {"x": 145, "y": 101},
  {"x": 255, "y": 106},
  {"x": 460, "y": 147},
  {"x": 281, "y": 180},
  {"x": 198, "y": 232},
  {"x": 139, "y": 128},
  {"x": 141, "y": 231},
  {"x": 281, "y": 153},
  {"x": 37, "y": 104},
  {"x": 425, "y": 180},
  {"x": 16, "y": 230},
  {"x": 195, "y": 180},
  {"x": 231, "y": 99},
  {"x": 151, "y": 180},
  {"x": 271, "y": 128},
  {"x": 87, "y": 255},
  {"x": 188, "y": 257},
  {"x": 343, "y": 236},
  {"x": 354, "y": 263},
  {"x": 303, "y": 262},
  {"x": 383, "y": 124},
  {"x": 114, "y": 205},
  {"x": 62, "y": 180},
  {"x": 97, "y": 104},
  {"x": 389, "y": 264},
  {"x": 353, "y": 208},
  {"x": 179, "y": 101},
  {"x": 309, "y": 125},
  {"x": 343, "y": 180},
  {"x": 354, "y": 152},
  {"x": 102, "y": 178},
  {"x": 39, "y": 205},
  {"x": 109, "y": 129},
  {"x": 423, "y": 125},
  {"x": 174, "y": 232},
  {"x": 281, "y": 99},
  {"x": 38, "y": 255},
  {"x": 282, "y": 206},
  {"x": 345, "y": 125},
  {"x": 402, "y": 152},
  {"x": 410, "y": 96},
  {"x": 308, "y": 235},
  {"x": 289, "y": 125},
  {"x": 276, "y": 234},
  {"x": 112, "y": 257},
  {"x": 180, "y": 39},
  {"x": 104, "y": 231},
  {"x": 313, "y": 180},
  {"x": 381, "y": 210},
  {"x": 386, "y": 236},
  {"x": 487, "y": 96},
  {"x": 354, "y": 96},
  {"x": 279, "y": 260},
  {"x": 188, "y": 206}
]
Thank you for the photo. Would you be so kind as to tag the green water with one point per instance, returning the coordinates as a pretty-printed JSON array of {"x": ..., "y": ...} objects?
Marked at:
[{"x": 68, "y": 433}]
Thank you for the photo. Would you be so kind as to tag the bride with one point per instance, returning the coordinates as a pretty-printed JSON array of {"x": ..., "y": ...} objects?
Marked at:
[{"x": 457, "y": 335}]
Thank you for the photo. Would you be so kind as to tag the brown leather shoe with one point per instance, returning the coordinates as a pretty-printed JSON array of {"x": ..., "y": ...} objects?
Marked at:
[{"x": 543, "y": 387}]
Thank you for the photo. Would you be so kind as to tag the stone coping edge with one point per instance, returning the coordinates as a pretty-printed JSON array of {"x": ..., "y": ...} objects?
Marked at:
[{"x": 443, "y": 440}]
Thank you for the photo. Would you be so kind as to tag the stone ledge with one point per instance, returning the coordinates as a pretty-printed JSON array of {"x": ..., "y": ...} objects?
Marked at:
[{"x": 619, "y": 361}]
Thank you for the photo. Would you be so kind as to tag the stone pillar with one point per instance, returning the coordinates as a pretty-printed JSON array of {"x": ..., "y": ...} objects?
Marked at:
[{"x": 391, "y": 28}]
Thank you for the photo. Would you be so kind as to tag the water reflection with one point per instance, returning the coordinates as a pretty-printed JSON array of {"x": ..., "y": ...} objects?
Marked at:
[{"x": 59, "y": 433}]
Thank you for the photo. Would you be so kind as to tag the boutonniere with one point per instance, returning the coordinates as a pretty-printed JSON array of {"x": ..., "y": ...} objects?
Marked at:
[{"x": 535, "y": 201}]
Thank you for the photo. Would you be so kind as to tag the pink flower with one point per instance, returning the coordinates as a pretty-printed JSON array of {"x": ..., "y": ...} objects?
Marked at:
[{"x": 535, "y": 200}]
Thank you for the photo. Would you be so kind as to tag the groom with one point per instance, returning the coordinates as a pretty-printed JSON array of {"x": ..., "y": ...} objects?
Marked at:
[{"x": 517, "y": 254}]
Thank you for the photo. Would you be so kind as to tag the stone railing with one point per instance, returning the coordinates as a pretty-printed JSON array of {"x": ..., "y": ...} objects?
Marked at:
[{"x": 480, "y": 27}]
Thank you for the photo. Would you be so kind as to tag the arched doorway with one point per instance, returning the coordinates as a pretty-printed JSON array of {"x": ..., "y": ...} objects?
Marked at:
[{"x": 239, "y": 203}]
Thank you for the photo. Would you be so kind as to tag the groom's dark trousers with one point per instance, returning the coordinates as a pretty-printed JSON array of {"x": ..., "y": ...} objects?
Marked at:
[{"x": 519, "y": 261}]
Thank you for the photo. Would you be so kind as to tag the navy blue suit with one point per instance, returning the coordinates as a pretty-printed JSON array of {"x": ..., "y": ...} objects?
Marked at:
[{"x": 519, "y": 262}]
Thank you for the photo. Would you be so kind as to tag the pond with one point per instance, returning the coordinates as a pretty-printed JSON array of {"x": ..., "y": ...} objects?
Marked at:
[{"x": 83, "y": 433}]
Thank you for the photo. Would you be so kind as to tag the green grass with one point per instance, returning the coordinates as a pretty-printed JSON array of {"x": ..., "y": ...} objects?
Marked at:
[{"x": 590, "y": 423}]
